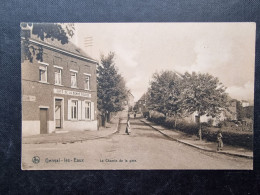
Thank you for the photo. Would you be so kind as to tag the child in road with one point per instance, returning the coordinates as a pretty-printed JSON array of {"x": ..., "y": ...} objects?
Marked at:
[
  {"x": 220, "y": 142},
  {"x": 128, "y": 128}
]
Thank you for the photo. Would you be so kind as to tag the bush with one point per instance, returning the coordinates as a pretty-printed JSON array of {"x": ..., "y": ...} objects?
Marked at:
[
  {"x": 157, "y": 117},
  {"x": 189, "y": 128},
  {"x": 233, "y": 138},
  {"x": 181, "y": 125},
  {"x": 230, "y": 137}
]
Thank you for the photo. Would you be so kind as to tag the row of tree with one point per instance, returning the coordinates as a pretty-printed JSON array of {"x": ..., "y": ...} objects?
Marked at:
[{"x": 179, "y": 95}]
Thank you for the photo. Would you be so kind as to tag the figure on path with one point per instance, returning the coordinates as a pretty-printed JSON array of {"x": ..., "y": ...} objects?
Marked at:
[
  {"x": 128, "y": 128},
  {"x": 220, "y": 142}
]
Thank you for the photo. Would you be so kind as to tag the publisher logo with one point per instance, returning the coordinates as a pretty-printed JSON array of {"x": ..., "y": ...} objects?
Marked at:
[{"x": 36, "y": 159}]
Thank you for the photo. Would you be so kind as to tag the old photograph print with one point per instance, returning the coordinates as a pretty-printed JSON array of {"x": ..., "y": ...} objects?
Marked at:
[{"x": 106, "y": 96}]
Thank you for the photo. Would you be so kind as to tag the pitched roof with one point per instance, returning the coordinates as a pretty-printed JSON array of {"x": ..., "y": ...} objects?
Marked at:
[
  {"x": 70, "y": 47},
  {"x": 143, "y": 97}
]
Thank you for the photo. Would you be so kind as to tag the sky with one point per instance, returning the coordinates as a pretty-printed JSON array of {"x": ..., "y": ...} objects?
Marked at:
[{"x": 224, "y": 50}]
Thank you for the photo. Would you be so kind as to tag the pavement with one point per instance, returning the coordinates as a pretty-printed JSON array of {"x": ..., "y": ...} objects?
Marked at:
[
  {"x": 75, "y": 136},
  {"x": 193, "y": 141}
]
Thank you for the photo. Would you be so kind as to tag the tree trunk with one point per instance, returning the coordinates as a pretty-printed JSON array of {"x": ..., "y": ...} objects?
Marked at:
[
  {"x": 175, "y": 122},
  {"x": 108, "y": 116},
  {"x": 103, "y": 120}
]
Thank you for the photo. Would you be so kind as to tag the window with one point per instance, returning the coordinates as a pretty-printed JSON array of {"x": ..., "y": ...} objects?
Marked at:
[
  {"x": 87, "y": 79},
  {"x": 73, "y": 79},
  {"x": 74, "y": 109},
  {"x": 43, "y": 74},
  {"x": 87, "y": 110},
  {"x": 58, "y": 76}
]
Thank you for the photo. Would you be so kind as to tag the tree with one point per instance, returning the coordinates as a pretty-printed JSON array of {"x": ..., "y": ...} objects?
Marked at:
[
  {"x": 164, "y": 93},
  {"x": 111, "y": 90},
  {"x": 58, "y": 31},
  {"x": 203, "y": 94},
  {"x": 240, "y": 113}
]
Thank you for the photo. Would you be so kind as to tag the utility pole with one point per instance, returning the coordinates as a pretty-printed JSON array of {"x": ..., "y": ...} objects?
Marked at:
[{"x": 88, "y": 43}]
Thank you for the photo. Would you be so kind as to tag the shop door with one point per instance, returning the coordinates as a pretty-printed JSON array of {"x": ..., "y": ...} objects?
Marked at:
[
  {"x": 43, "y": 121},
  {"x": 58, "y": 118}
]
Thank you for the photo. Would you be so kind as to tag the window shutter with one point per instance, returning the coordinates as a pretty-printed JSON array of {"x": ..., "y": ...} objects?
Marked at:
[
  {"x": 92, "y": 112},
  {"x": 83, "y": 110},
  {"x": 69, "y": 109},
  {"x": 79, "y": 110}
]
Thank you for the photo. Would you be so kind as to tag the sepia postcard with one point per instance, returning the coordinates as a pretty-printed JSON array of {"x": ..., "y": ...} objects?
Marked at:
[{"x": 137, "y": 96}]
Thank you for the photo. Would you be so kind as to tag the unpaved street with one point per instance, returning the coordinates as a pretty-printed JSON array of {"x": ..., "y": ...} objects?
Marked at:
[{"x": 144, "y": 148}]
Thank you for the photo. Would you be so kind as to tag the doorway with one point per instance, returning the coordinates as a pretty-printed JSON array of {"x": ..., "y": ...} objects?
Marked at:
[{"x": 43, "y": 121}]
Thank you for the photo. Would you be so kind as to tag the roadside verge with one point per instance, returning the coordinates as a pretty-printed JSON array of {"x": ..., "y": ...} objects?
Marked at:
[{"x": 201, "y": 145}]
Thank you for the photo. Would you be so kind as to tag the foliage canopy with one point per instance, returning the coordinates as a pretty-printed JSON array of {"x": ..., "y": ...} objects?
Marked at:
[
  {"x": 58, "y": 31},
  {"x": 112, "y": 92}
]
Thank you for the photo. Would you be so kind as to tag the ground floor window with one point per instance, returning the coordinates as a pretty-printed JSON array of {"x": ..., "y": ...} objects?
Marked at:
[
  {"x": 87, "y": 110},
  {"x": 74, "y": 109},
  {"x": 80, "y": 110}
]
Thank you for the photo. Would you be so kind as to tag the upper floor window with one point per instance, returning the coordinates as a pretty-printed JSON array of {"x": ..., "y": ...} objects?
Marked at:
[
  {"x": 58, "y": 76},
  {"x": 43, "y": 74},
  {"x": 87, "y": 82},
  {"x": 73, "y": 76}
]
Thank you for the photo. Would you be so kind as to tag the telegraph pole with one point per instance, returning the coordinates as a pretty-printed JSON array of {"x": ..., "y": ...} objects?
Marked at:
[{"x": 88, "y": 43}]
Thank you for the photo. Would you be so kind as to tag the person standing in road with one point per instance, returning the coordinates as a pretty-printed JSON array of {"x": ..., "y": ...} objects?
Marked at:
[
  {"x": 220, "y": 142},
  {"x": 128, "y": 128}
]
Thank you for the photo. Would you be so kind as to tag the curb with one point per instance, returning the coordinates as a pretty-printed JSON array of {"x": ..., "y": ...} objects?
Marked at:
[{"x": 195, "y": 146}]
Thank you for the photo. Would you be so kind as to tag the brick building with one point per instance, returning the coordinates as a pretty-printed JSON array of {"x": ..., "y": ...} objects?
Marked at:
[{"x": 59, "y": 93}]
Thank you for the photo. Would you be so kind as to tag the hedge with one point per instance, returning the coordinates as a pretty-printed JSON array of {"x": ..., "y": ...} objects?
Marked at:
[{"x": 233, "y": 138}]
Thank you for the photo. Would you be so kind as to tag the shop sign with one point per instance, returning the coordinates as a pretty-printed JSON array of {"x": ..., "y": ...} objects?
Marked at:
[{"x": 72, "y": 93}]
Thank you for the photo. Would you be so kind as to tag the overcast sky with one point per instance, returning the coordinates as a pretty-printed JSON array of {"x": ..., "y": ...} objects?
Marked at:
[{"x": 225, "y": 50}]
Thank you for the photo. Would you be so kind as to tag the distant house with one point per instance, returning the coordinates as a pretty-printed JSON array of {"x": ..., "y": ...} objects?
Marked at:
[
  {"x": 140, "y": 105},
  {"x": 230, "y": 113},
  {"x": 245, "y": 103},
  {"x": 60, "y": 92},
  {"x": 130, "y": 100}
]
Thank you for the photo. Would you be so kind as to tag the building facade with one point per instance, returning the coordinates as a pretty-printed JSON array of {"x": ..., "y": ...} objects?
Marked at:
[
  {"x": 140, "y": 105},
  {"x": 59, "y": 93},
  {"x": 226, "y": 114},
  {"x": 130, "y": 101}
]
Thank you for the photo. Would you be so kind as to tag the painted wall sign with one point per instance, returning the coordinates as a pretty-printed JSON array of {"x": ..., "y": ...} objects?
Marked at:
[
  {"x": 29, "y": 98},
  {"x": 72, "y": 93}
]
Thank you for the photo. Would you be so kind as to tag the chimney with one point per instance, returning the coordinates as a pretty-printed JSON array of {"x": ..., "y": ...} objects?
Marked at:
[{"x": 26, "y": 29}]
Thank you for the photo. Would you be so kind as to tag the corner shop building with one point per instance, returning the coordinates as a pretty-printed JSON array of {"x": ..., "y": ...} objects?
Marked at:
[{"x": 60, "y": 93}]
